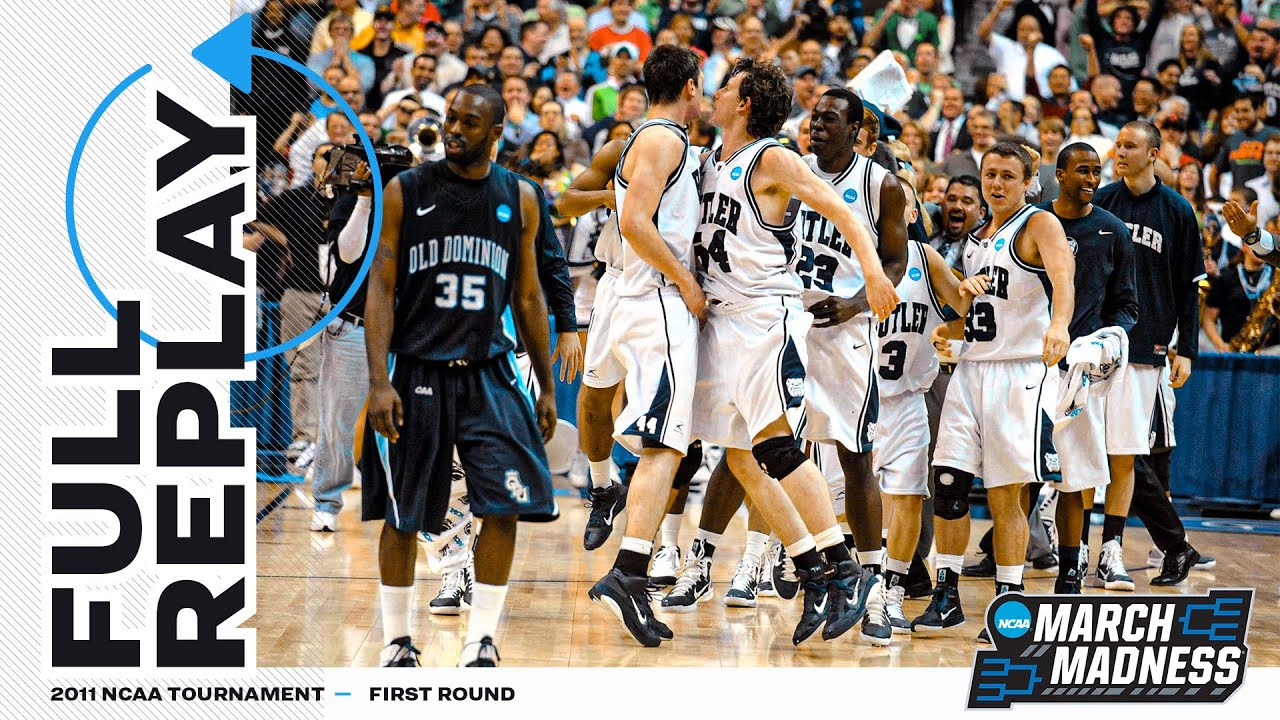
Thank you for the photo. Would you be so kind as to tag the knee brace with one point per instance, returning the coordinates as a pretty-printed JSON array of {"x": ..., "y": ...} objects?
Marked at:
[
  {"x": 778, "y": 457},
  {"x": 689, "y": 466},
  {"x": 953, "y": 486}
]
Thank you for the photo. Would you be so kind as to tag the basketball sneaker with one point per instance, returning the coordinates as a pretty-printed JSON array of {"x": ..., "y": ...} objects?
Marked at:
[
  {"x": 694, "y": 582},
  {"x": 606, "y": 504},
  {"x": 764, "y": 585},
  {"x": 480, "y": 654},
  {"x": 877, "y": 628},
  {"x": 1084, "y": 561},
  {"x": 944, "y": 609},
  {"x": 847, "y": 595},
  {"x": 455, "y": 592},
  {"x": 628, "y": 599},
  {"x": 785, "y": 581},
  {"x": 1111, "y": 573},
  {"x": 666, "y": 567},
  {"x": 893, "y": 606},
  {"x": 400, "y": 653},
  {"x": 323, "y": 521},
  {"x": 744, "y": 586},
  {"x": 1067, "y": 586},
  {"x": 814, "y": 613}
]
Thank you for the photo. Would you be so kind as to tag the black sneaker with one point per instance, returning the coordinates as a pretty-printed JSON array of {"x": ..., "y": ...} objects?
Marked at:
[
  {"x": 1069, "y": 585},
  {"x": 486, "y": 654},
  {"x": 1176, "y": 567},
  {"x": 785, "y": 581},
  {"x": 606, "y": 504},
  {"x": 400, "y": 653},
  {"x": 814, "y": 613},
  {"x": 847, "y": 594},
  {"x": 694, "y": 582},
  {"x": 877, "y": 627},
  {"x": 984, "y": 568},
  {"x": 1048, "y": 561},
  {"x": 919, "y": 583},
  {"x": 628, "y": 600},
  {"x": 944, "y": 610}
]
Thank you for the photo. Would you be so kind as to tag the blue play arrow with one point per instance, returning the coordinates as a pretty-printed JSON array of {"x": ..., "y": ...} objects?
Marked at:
[{"x": 229, "y": 53}]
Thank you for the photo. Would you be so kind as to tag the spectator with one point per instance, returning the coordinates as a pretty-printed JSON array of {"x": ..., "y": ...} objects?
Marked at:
[
  {"x": 805, "y": 95},
  {"x": 724, "y": 53},
  {"x": 1242, "y": 154},
  {"x": 914, "y": 137},
  {"x": 1267, "y": 185},
  {"x": 494, "y": 40},
  {"x": 951, "y": 133},
  {"x": 1175, "y": 148},
  {"x": 544, "y": 162},
  {"x": 603, "y": 97},
  {"x": 993, "y": 91},
  {"x": 1012, "y": 122},
  {"x": 511, "y": 61},
  {"x": 324, "y": 102},
  {"x": 1058, "y": 99},
  {"x": 1166, "y": 43},
  {"x": 768, "y": 13},
  {"x": 423, "y": 74},
  {"x": 1190, "y": 185},
  {"x": 841, "y": 43},
  {"x": 405, "y": 27},
  {"x": 1026, "y": 62},
  {"x": 577, "y": 113},
  {"x": 522, "y": 123},
  {"x": 1146, "y": 100},
  {"x": 926, "y": 78},
  {"x": 901, "y": 26},
  {"x": 453, "y": 38},
  {"x": 534, "y": 35},
  {"x": 811, "y": 55},
  {"x": 935, "y": 189},
  {"x": 340, "y": 54},
  {"x": 1202, "y": 76},
  {"x": 622, "y": 32},
  {"x": 384, "y": 50},
  {"x": 335, "y": 129},
  {"x": 1232, "y": 297},
  {"x": 632, "y": 103},
  {"x": 1052, "y": 136},
  {"x": 587, "y": 63},
  {"x": 1122, "y": 49},
  {"x": 552, "y": 13},
  {"x": 480, "y": 15},
  {"x": 1220, "y": 31},
  {"x": 1261, "y": 72},
  {"x": 1084, "y": 128},
  {"x": 602, "y": 16},
  {"x": 982, "y": 126},
  {"x": 321, "y": 37},
  {"x": 682, "y": 26},
  {"x": 551, "y": 117},
  {"x": 752, "y": 38},
  {"x": 289, "y": 90}
]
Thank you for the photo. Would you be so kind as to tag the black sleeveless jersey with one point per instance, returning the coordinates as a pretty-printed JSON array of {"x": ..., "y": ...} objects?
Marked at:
[{"x": 459, "y": 244}]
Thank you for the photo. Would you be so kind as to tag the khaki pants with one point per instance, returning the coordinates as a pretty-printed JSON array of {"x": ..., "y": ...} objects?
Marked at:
[{"x": 298, "y": 312}]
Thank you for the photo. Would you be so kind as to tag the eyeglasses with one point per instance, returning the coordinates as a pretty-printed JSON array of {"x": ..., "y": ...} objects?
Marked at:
[{"x": 406, "y": 108}]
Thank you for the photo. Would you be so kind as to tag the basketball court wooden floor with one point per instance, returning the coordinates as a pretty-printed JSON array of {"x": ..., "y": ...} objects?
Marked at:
[{"x": 318, "y": 598}]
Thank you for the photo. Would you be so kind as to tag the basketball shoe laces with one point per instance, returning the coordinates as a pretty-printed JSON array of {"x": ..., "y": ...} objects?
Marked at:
[
  {"x": 745, "y": 576},
  {"x": 454, "y": 584},
  {"x": 692, "y": 573}
]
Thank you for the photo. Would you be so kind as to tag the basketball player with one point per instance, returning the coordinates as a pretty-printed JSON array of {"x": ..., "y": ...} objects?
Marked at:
[
  {"x": 654, "y": 327},
  {"x": 751, "y": 364},
  {"x": 1018, "y": 299},
  {"x": 841, "y": 398},
  {"x": 438, "y": 308},
  {"x": 1168, "y": 265},
  {"x": 926, "y": 295},
  {"x": 1105, "y": 297}
]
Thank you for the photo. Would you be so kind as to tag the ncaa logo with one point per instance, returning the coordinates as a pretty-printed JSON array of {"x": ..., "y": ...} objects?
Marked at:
[
  {"x": 735, "y": 173},
  {"x": 850, "y": 195},
  {"x": 503, "y": 212},
  {"x": 914, "y": 273},
  {"x": 1000, "y": 244},
  {"x": 1013, "y": 619}
]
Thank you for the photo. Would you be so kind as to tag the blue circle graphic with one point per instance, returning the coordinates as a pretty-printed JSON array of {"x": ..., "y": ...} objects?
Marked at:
[
  {"x": 367, "y": 144},
  {"x": 850, "y": 195},
  {"x": 1013, "y": 619},
  {"x": 1000, "y": 244},
  {"x": 735, "y": 173},
  {"x": 914, "y": 273},
  {"x": 503, "y": 212}
]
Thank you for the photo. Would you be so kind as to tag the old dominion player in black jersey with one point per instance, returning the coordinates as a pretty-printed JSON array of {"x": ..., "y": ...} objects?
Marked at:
[{"x": 454, "y": 277}]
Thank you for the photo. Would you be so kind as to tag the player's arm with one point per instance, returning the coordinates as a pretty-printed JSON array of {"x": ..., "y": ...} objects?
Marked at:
[
  {"x": 1120, "y": 305},
  {"x": 386, "y": 414},
  {"x": 662, "y": 153},
  {"x": 557, "y": 287},
  {"x": 530, "y": 310},
  {"x": 590, "y": 189},
  {"x": 1245, "y": 225},
  {"x": 1188, "y": 271},
  {"x": 892, "y": 252},
  {"x": 786, "y": 171},
  {"x": 1047, "y": 241},
  {"x": 943, "y": 280}
]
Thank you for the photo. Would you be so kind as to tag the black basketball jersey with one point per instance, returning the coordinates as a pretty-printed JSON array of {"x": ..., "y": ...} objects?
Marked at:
[{"x": 459, "y": 242}]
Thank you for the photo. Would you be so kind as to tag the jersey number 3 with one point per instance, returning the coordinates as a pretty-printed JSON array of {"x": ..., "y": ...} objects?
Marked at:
[{"x": 471, "y": 296}]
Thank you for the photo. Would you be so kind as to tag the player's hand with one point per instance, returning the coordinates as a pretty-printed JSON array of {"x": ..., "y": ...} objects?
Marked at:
[
  {"x": 386, "y": 413},
  {"x": 569, "y": 353},
  {"x": 1240, "y": 222},
  {"x": 694, "y": 298},
  {"x": 545, "y": 410},
  {"x": 835, "y": 310},
  {"x": 882, "y": 298},
  {"x": 1056, "y": 343},
  {"x": 975, "y": 286},
  {"x": 1179, "y": 371}
]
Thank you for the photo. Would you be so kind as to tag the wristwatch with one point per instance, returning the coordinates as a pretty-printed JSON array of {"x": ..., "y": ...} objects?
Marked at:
[{"x": 1253, "y": 237}]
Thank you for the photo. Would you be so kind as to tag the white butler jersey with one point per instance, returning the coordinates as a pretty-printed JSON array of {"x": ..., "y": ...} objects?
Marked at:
[
  {"x": 609, "y": 243},
  {"x": 740, "y": 256},
  {"x": 676, "y": 217},
  {"x": 827, "y": 264},
  {"x": 908, "y": 362},
  {"x": 1009, "y": 322}
]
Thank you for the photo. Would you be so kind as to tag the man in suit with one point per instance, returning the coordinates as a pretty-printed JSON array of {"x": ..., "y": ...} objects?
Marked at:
[
  {"x": 951, "y": 133},
  {"x": 982, "y": 128}
]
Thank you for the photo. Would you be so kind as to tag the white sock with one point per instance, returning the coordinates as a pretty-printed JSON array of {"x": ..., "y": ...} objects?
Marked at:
[
  {"x": 870, "y": 558},
  {"x": 486, "y": 610},
  {"x": 708, "y": 538},
  {"x": 599, "y": 473},
  {"x": 949, "y": 562},
  {"x": 671, "y": 530},
  {"x": 899, "y": 566},
  {"x": 396, "y": 601},
  {"x": 827, "y": 538},
  {"x": 1009, "y": 574},
  {"x": 801, "y": 546},
  {"x": 637, "y": 545},
  {"x": 755, "y": 546}
]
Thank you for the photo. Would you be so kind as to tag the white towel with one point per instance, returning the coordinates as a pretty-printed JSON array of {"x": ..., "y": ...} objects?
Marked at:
[{"x": 1092, "y": 362}]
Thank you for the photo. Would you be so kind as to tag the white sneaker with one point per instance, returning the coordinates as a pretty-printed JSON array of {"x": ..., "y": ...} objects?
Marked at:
[
  {"x": 666, "y": 567},
  {"x": 1155, "y": 557},
  {"x": 743, "y": 586},
  {"x": 877, "y": 628},
  {"x": 893, "y": 606},
  {"x": 324, "y": 521},
  {"x": 765, "y": 586},
  {"x": 455, "y": 593},
  {"x": 1111, "y": 573},
  {"x": 400, "y": 653},
  {"x": 356, "y": 477}
]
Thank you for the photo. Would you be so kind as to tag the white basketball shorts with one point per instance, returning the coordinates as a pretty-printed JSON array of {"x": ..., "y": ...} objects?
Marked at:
[
  {"x": 842, "y": 401},
  {"x": 1082, "y": 445},
  {"x": 601, "y": 368},
  {"x": 1131, "y": 410},
  {"x": 901, "y": 457}
]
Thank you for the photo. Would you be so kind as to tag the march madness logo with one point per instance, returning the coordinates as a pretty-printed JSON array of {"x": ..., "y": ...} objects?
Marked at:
[{"x": 1104, "y": 648}]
